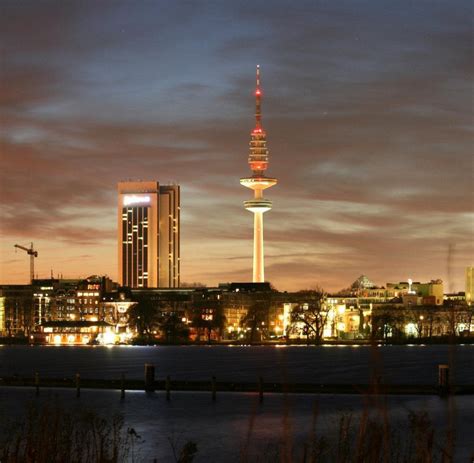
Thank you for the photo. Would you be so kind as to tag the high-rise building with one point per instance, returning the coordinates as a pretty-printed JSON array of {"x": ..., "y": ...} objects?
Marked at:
[
  {"x": 148, "y": 234},
  {"x": 469, "y": 285},
  {"x": 258, "y": 161}
]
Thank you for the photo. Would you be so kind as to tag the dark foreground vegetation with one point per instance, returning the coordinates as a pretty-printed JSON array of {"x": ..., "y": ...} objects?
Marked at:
[{"x": 51, "y": 433}]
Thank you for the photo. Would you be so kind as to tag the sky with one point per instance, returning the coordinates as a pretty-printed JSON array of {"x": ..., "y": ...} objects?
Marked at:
[{"x": 367, "y": 107}]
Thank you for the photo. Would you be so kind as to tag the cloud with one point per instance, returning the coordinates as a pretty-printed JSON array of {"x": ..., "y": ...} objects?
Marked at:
[{"x": 367, "y": 109}]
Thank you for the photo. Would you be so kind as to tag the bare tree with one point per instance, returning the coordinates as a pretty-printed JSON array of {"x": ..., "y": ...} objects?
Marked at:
[
  {"x": 173, "y": 328},
  {"x": 388, "y": 321},
  {"x": 310, "y": 313},
  {"x": 256, "y": 319},
  {"x": 457, "y": 316},
  {"x": 143, "y": 316}
]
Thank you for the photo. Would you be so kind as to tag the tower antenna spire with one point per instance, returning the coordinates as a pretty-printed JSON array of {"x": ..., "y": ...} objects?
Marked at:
[{"x": 258, "y": 102}]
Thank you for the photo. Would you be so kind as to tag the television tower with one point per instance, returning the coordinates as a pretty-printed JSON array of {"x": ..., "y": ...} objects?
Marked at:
[{"x": 258, "y": 161}]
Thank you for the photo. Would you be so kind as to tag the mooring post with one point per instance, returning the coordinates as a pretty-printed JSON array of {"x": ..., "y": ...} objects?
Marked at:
[
  {"x": 149, "y": 377},
  {"x": 37, "y": 383},
  {"x": 214, "y": 388},
  {"x": 122, "y": 386},
  {"x": 260, "y": 388},
  {"x": 168, "y": 388},
  {"x": 443, "y": 379},
  {"x": 78, "y": 385}
]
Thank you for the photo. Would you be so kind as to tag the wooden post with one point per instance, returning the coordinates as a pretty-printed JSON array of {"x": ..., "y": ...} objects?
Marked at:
[
  {"x": 443, "y": 380},
  {"x": 260, "y": 388},
  {"x": 149, "y": 377},
  {"x": 37, "y": 384},
  {"x": 122, "y": 386},
  {"x": 78, "y": 385},
  {"x": 214, "y": 388},
  {"x": 168, "y": 388}
]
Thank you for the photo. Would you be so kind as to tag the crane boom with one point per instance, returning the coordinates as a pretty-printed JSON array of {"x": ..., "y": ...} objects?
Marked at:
[
  {"x": 22, "y": 247},
  {"x": 32, "y": 253}
]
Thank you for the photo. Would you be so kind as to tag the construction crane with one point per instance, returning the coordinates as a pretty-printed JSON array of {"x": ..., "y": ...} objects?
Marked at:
[{"x": 32, "y": 253}]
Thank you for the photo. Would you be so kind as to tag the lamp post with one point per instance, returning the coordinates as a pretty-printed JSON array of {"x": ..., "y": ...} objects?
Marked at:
[{"x": 420, "y": 325}]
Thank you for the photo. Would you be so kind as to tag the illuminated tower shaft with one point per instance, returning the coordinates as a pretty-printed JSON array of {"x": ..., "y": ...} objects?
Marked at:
[{"x": 258, "y": 161}]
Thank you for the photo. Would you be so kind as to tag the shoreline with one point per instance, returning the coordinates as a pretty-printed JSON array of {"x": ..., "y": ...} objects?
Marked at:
[
  {"x": 280, "y": 343},
  {"x": 214, "y": 387}
]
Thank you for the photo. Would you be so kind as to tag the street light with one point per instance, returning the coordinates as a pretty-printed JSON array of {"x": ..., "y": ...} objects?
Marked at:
[{"x": 420, "y": 326}]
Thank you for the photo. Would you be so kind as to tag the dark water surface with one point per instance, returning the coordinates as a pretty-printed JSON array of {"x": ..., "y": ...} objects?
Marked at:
[
  {"x": 238, "y": 424},
  {"x": 322, "y": 364}
]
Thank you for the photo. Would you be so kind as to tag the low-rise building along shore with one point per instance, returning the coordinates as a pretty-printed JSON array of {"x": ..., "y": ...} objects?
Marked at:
[{"x": 97, "y": 310}]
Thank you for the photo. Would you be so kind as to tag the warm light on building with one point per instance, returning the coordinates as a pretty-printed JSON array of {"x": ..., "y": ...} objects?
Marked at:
[
  {"x": 2, "y": 314},
  {"x": 148, "y": 234},
  {"x": 410, "y": 329},
  {"x": 108, "y": 338},
  {"x": 469, "y": 290}
]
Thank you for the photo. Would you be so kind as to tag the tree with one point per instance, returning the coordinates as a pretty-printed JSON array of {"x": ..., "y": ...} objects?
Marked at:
[
  {"x": 423, "y": 318},
  {"x": 387, "y": 321},
  {"x": 468, "y": 316},
  {"x": 255, "y": 322},
  {"x": 458, "y": 319},
  {"x": 416, "y": 317},
  {"x": 143, "y": 316},
  {"x": 430, "y": 317},
  {"x": 310, "y": 313},
  {"x": 173, "y": 327}
]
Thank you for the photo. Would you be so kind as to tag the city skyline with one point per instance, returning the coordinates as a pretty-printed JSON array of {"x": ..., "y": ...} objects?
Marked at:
[{"x": 368, "y": 107}]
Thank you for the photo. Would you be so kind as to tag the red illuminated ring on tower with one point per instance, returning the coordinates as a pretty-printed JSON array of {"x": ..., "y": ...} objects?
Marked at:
[{"x": 258, "y": 165}]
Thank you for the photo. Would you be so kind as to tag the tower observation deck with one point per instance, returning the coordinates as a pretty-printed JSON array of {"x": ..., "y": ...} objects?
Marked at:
[{"x": 258, "y": 162}]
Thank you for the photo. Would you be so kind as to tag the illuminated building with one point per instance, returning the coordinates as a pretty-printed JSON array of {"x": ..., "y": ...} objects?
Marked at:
[
  {"x": 411, "y": 292},
  {"x": 88, "y": 299},
  {"x": 469, "y": 285},
  {"x": 68, "y": 299},
  {"x": 16, "y": 309},
  {"x": 416, "y": 293},
  {"x": 2, "y": 314},
  {"x": 148, "y": 234},
  {"x": 115, "y": 307},
  {"x": 258, "y": 161},
  {"x": 71, "y": 332}
]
